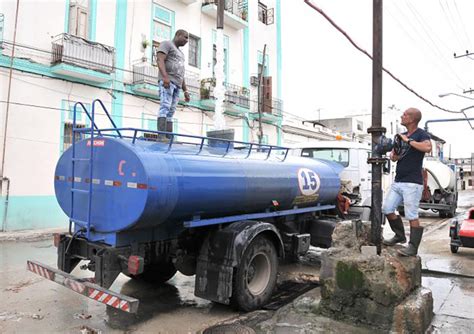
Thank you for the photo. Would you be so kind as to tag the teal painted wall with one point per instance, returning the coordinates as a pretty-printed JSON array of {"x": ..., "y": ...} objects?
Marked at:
[
  {"x": 119, "y": 43},
  {"x": 33, "y": 212},
  {"x": 279, "y": 65},
  {"x": 92, "y": 19}
]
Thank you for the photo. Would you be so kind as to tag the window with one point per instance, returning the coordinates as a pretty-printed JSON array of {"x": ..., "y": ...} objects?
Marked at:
[
  {"x": 265, "y": 15},
  {"x": 194, "y": 46},
  {"x": 262, "y": 12},
  {"x": 339, "y": 155},
  {"x": 67, "y": 139},
  {"x": 154, "y": 53},
  {"x": 163, "y": 23},
  {"x": 78, "y": 18},
  {"x": 214, "y": 62}
]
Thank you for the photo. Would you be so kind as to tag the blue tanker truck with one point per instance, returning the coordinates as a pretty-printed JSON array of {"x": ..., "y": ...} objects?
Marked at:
[{"x": 222, "y": 210}]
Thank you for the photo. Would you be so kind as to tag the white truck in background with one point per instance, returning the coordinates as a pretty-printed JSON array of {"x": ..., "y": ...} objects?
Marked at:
[
  {"x": 357, "y": 174},
  {"x": 440, "y": 180}
]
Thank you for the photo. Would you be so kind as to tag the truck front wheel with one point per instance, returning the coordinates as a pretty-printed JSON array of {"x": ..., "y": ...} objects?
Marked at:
[{"x": 255, "y": 277}]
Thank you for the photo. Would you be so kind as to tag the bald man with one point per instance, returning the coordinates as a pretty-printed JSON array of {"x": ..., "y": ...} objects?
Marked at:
[{"x": 408, "y": 185}]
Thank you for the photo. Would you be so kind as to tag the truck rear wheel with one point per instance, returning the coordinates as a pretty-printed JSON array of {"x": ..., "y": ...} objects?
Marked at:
[
  {"x": 255, "y": 277},
  {"x": 156, "y": 273}
]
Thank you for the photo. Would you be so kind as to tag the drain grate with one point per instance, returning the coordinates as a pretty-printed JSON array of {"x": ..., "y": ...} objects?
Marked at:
[{"x": 229, "y": 329}]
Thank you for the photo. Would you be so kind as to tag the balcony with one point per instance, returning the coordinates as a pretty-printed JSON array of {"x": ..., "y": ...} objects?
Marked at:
[
  {"x": 235, "y": 12},
  {"x": 76, "y": 57},
  {"x": 236, "y": 98},
  {"x": 272, "y": 110},
  {"x": 145, "y": 80}
]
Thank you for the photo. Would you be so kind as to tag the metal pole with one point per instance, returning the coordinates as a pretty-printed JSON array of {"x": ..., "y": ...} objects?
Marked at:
[
  {"x": 260, "y": 96},
  {"x": 376, "y": 129}
]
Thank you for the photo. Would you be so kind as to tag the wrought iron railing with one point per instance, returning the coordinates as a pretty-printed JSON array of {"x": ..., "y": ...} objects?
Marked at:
[
  {"x": 233, "y": 94},
  {"x": 237, "y": 7},
  {"x": 145, "y": 72},
  {"x": 83, "y": 53},
  {"x": 275, "y": 107}
]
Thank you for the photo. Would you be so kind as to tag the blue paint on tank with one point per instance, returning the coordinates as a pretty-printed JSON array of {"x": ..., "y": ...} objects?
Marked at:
[{"x": 143, "y": 186}]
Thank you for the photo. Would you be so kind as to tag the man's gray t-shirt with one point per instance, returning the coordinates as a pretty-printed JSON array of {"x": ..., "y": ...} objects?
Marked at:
[{"x": 174, "y": 62}]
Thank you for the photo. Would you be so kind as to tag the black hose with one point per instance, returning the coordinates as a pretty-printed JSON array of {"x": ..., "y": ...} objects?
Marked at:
[
  {"x": 437, "y": 181},
  {"x": 72, "y": 238}
]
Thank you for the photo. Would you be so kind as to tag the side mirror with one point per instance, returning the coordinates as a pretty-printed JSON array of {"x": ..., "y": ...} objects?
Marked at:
[{"x": 386, "y": 167}]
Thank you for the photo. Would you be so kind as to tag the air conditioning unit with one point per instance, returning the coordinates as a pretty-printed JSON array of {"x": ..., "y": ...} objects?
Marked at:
[{"x": 253, "y": 80}]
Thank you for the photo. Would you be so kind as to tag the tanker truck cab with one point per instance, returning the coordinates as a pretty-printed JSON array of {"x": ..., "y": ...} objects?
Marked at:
[
  {"x": 147, "y": 209},
  {"x": 356, "y": 175}
]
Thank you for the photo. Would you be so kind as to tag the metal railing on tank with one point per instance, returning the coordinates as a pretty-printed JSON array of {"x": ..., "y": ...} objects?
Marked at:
[{"x": 225, "y": 144}]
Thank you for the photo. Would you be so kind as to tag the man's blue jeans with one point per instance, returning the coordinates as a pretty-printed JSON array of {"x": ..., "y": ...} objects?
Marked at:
[
  {"x": 169, "y": 98},
  {"x": 407, "y": 193}
]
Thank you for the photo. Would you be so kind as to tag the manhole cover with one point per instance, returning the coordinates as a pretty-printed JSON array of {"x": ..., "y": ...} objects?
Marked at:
[{"x": 229, "y": 329}]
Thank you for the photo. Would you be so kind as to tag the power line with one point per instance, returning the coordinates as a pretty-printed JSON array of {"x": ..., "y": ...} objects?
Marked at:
[
  {"x": 417, "y": 44},
  {"x": 426, "y": 38},
  {"x": 320, "y": 11}
]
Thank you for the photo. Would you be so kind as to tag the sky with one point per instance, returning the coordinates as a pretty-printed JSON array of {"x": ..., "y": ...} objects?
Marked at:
[{"x": 323, "y": 71}]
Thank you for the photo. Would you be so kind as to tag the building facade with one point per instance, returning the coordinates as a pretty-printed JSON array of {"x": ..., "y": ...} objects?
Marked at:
[{"x": 59, "y": 53}]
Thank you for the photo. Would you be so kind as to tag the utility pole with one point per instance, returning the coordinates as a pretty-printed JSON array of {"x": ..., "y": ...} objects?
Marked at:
[
  {"x": 260, "y": 96},
  {"x": 376, "y": 129}
]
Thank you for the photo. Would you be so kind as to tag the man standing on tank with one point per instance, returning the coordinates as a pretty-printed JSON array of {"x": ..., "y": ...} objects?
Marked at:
[
  {"x": 171, "y": 79},
  {"x": 408, "y": 185}
]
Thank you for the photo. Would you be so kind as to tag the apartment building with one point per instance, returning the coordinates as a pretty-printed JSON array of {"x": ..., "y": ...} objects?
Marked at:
[{"x": 54, "y": 54}]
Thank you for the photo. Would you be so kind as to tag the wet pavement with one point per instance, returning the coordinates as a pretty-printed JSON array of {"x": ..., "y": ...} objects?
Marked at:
[{"x": 33, "y": 304}]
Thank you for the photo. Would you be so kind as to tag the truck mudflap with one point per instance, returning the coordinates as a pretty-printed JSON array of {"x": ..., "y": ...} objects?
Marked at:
[{"x": 85, "y": 287}]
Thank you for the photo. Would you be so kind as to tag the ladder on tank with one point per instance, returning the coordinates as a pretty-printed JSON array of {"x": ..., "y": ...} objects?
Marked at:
[{"x": 92, "y": 130}]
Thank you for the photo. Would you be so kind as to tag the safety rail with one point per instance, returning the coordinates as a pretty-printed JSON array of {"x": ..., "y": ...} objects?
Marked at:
[
  {"x": 268, "y": 149},
  {"x": 90, "y": 160}
]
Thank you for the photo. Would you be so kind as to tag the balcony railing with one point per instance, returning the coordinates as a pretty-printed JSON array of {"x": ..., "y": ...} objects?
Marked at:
[
  {"x": 145, "y": 73},
  {"x": 233, "y": 94},
  {"x": 237, "y": 7},
  {"x": 275, "y": 107},
  {"x": 80, "y": 52}
]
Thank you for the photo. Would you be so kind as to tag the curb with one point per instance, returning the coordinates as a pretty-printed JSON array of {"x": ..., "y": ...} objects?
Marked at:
[{"x": 30, "y": 235}]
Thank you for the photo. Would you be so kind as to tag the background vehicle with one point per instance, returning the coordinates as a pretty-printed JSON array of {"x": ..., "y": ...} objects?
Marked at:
[
  {"x": 356, "y": 176},
  {"x": 461, "y": 231},
  {"x": 440, "y": 192}
]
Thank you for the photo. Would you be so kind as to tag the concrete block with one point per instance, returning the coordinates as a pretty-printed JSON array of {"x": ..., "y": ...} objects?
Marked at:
[{"x": 415, "y": 313}]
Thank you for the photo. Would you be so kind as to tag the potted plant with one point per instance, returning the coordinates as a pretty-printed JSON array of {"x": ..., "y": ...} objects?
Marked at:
[
  {"x": 143, "y": 46},
  {"x": 244, "y": 14}
]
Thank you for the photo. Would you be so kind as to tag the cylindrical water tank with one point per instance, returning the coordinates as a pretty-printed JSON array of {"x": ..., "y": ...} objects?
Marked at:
[{"x": 142, "y": 184}]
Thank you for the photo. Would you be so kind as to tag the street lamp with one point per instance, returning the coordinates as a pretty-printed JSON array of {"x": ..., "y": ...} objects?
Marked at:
[{"x": 447, "y": 94}]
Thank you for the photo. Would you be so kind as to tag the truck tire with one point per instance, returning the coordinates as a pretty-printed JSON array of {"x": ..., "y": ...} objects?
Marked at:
[
  {"x": 255, "y": 277},
  {"x": 454, "y": 249},
  {"x": 442, "y": 214},
  {"x": 156, "y": 273}
]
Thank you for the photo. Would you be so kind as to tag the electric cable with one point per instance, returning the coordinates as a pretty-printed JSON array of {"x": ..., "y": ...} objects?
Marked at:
[{"x": 320, "y": 11}]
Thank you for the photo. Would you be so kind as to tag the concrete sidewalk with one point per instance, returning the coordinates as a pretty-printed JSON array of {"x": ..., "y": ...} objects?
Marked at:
[{"x": 31, "y": 235}]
